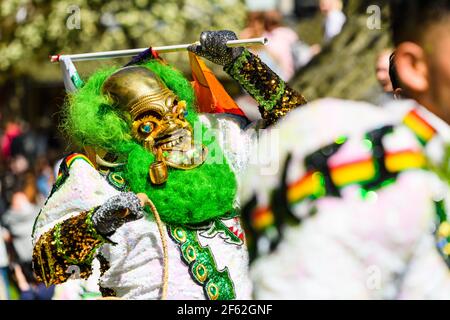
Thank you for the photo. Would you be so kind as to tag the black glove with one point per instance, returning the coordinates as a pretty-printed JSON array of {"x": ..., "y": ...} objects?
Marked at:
[
  {"x": 110, "y": 216},
  {"x": 213, "y": 47}
]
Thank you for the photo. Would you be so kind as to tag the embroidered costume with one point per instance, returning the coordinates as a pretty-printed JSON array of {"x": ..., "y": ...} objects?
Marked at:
[
  {"x": 353, "y": 213},
  {"x": 143, "y": 136}
]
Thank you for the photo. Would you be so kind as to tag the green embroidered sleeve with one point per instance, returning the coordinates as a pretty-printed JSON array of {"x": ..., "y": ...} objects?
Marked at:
[
  {"x": 68, "y": 247},
  {"x": 274, "y": 96}
]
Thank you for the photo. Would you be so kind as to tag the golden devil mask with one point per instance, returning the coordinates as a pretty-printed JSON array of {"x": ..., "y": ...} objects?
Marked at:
[{"x": 158, "y": 119}]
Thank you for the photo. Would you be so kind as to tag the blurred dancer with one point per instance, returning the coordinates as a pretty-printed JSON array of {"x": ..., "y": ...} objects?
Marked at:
[
  {"x": 382, "y": 70},
  {"x": 356, "y": 211},
  {"x": 383, "y": 94}
]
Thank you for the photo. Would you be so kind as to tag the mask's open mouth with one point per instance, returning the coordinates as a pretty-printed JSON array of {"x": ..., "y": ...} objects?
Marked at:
[
  {"x": 179, "y": 140},
  {"x": 178, "y": 150}
]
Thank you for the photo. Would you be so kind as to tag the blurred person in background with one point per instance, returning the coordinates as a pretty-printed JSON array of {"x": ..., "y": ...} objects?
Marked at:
[
  {"x": 384, "y": 93},
  {"x": 4, "y": 263},
  {"x": 12, "y": 131},
  {"x": 20, "y": 215},
  {"x": 281, "y": 40},
  {"x": 19, "y": 220},
  {"x": 30, "y": 143},
  {"x": 334, "y": 18},
  {"x": 255, "y": 28},
  {"x": 15, "y": 167},
  {"x": 45, "y": 176},
  {"x": 360, "y": 210},
  {"x": 382, "y": 70}
]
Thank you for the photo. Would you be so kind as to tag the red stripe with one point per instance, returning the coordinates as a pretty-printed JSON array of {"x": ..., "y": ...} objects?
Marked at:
[{"x": 351, "y": 163}]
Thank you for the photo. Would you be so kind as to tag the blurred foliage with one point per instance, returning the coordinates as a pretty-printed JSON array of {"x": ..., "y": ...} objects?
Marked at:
[
  {"x": 33, "y": 29},
  {"x": 310, "y": 30}
]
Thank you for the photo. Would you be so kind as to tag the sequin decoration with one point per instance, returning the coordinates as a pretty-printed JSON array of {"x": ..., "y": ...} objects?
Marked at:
[
  {"x": 275, "y": 98},
  {"x": 71, "y": 243},
  {"x": 217, "y": 285}
]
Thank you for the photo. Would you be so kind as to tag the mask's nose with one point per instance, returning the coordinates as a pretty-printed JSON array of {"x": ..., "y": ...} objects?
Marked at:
[{"x": 169, "y": 124}]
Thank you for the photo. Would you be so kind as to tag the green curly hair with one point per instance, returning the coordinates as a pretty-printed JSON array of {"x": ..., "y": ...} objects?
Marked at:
[{"x": 189, "y": 196}]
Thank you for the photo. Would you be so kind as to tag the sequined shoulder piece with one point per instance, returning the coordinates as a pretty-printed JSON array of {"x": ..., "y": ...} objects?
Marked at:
[{"x": 62, "y": 176}]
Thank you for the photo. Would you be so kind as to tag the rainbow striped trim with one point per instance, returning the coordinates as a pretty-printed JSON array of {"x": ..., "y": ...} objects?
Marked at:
[
  {"x": 421, "y": 128},
  {"x": 262, "y": 218},
  {"x": 312, "y": 184},
  {"x": 69, "y": 160}
]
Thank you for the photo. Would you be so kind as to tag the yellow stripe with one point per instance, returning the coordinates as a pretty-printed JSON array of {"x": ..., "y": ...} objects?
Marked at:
[
  {"x": 263, "y": 220},
  {"x": 406, "y": 160},
  {"x": 355, "y": 172},
  {"x": 307, "y": 186}
]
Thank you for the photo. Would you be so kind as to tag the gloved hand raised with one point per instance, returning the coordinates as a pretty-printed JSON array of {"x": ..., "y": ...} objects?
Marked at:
[
  {"x": 117, "y": 210},
  {"x": 213, "y": 47}
]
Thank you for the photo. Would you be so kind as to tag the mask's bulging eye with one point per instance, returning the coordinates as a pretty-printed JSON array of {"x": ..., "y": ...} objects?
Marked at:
[{"x": 146, "y": 127}]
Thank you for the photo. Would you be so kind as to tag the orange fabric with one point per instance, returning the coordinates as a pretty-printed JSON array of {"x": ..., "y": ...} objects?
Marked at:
[{"x": 211, "y": 95}]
